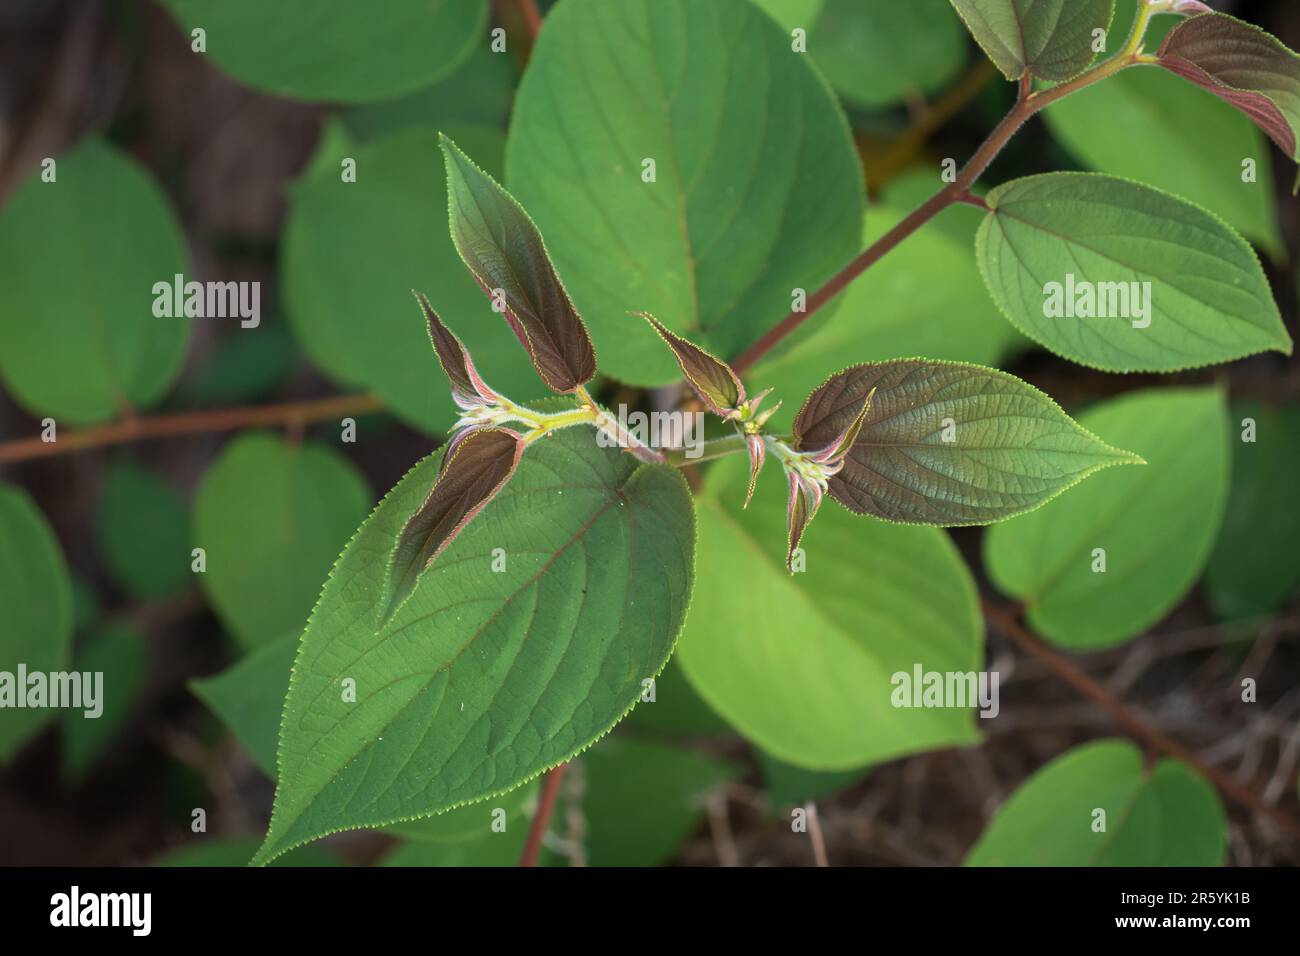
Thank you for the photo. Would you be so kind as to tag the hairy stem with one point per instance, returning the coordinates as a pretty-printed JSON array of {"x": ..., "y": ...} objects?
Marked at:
[
  {"x": 717, "y": 448},
  {"x": 542, "y": 818},
  {"x": 191, "y": 423},
  {"x": 1006, "y": 621},
  {"x": 1027, "y": 105}
]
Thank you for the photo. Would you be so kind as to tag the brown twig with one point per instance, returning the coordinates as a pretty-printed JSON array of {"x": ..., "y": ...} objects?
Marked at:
[
  {"x": 1028, "y": 104},
  {"x": 1152, "y": 737},
  {"x": 542, "y": 818},
  {"x": 292, "y": 414},
  {"x": 531, "y": 16}
]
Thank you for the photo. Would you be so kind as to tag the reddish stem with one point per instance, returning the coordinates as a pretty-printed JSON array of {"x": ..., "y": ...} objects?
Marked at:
[
  {"x": 542, "y": 818},
  {"x": 292, "y": 414},
  {"x": 1062, "y": 667}
]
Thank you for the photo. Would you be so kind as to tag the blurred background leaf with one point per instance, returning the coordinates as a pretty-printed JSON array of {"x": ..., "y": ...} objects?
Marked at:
[
  {"x": 36, "y": 596},
  {"x": 271, "y": 518},
  {"x": 89, "y": 345},
  {"x": 339, "y": 52}
]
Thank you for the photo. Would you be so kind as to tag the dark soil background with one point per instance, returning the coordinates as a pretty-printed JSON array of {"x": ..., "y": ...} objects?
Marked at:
[{"x": 224, "y": 154}]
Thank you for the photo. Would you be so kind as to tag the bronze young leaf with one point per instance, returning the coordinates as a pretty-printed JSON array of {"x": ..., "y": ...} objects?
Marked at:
[
  {"x": 505, "y": 253},
  {"x": 947, "y": 443},
  {"x": 474, "y": 468},
  {"x": 1242, "y": 65},
  {"x": 468, "y": 389},
  {"x": 711, "y": 378}
]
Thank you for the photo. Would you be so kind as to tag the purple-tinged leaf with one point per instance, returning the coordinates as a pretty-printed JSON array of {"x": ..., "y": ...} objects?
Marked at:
[
  {"x": 1049, "y": 39},
  {"x": 945, "y": 443},
  {"x": 757, "y": 453},
  {"x": 467, "y": 387},
  {"x": 505, "y": 253},
  {"x": 805, "y": 499},
  {"x": 474, "y": 468},
  {"x": 712, "y": 379},
  {"x": 837, "y": 449},
  {"x": 1242, "y": 65}
]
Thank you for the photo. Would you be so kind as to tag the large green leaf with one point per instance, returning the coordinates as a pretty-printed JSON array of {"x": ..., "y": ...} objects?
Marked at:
[
  {"x": 1205, "y": 298},
  {"x": 1155, "y": 524},
  {"x": 1255, "y": 565},
  {"x": 1164, "y": 132},
  {"x": 1166, "y": 815},
  {"x": 792, "y": 14},
  {"x": 120, "y": 654},
  {"x": 946, "y": 443},
  {"x": 336, "y": 51},
  {"x": 353, "y": 253},
  {"x": 80, "y": 341},
  {"x": 875, "y": 54},
  {"x": 802, "y": 664},
  {"x": 1048, "y": 39},
  {"x": 480, "y": 681},
  {"x": 475, "y": 821},
  {"x": 271, "y": 517},
  {"x": 36, "y": 596},
  {"x": 143, "y": 531},
  {"x": 757, "y": 187},
  {"x": 896, "y": 310}
]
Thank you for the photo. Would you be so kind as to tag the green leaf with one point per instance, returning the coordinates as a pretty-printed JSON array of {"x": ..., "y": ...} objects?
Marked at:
[
  {"x": 801, "y": 664},
  {"x": 249, "y": 697},
  {"x": 1243, "y": 65},
  {"x": 473, "y": 822},
  {"x": 949, "y": 444},
  {"x": 1255, "y": 565},
  {"x": 876, "y": 54},
  {"x": 339, "y": 52},
  {"x": 36, "y": 595},
  {"x": 271, "y": 517},
  {"x": 504, "y": 251},
  {"x": 897, "y": 310},
  {"x": 1161, "y": 131},
  {"x": 245, "y": 367},
  {"x": 1048, "y": 240},
  {"x": 117, "y": 652},
  {"x": 790, "y": 786},
  {"x": 483, "y": 680},
  {"x": 353, "y": 252},
  {"x": 479, "y": 93},
  {"x": 142, "y": 530},
  {"x": 86, "y": 349},
  {"x": 1162, "y": 816},
  {"x": 792, "y": 14},
  {"x": 1048, "y": 39},
  {"x": 1155, "y": 524},
  {"x": 641, "y": 800},
  {"x": 757, "y": 187}
]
